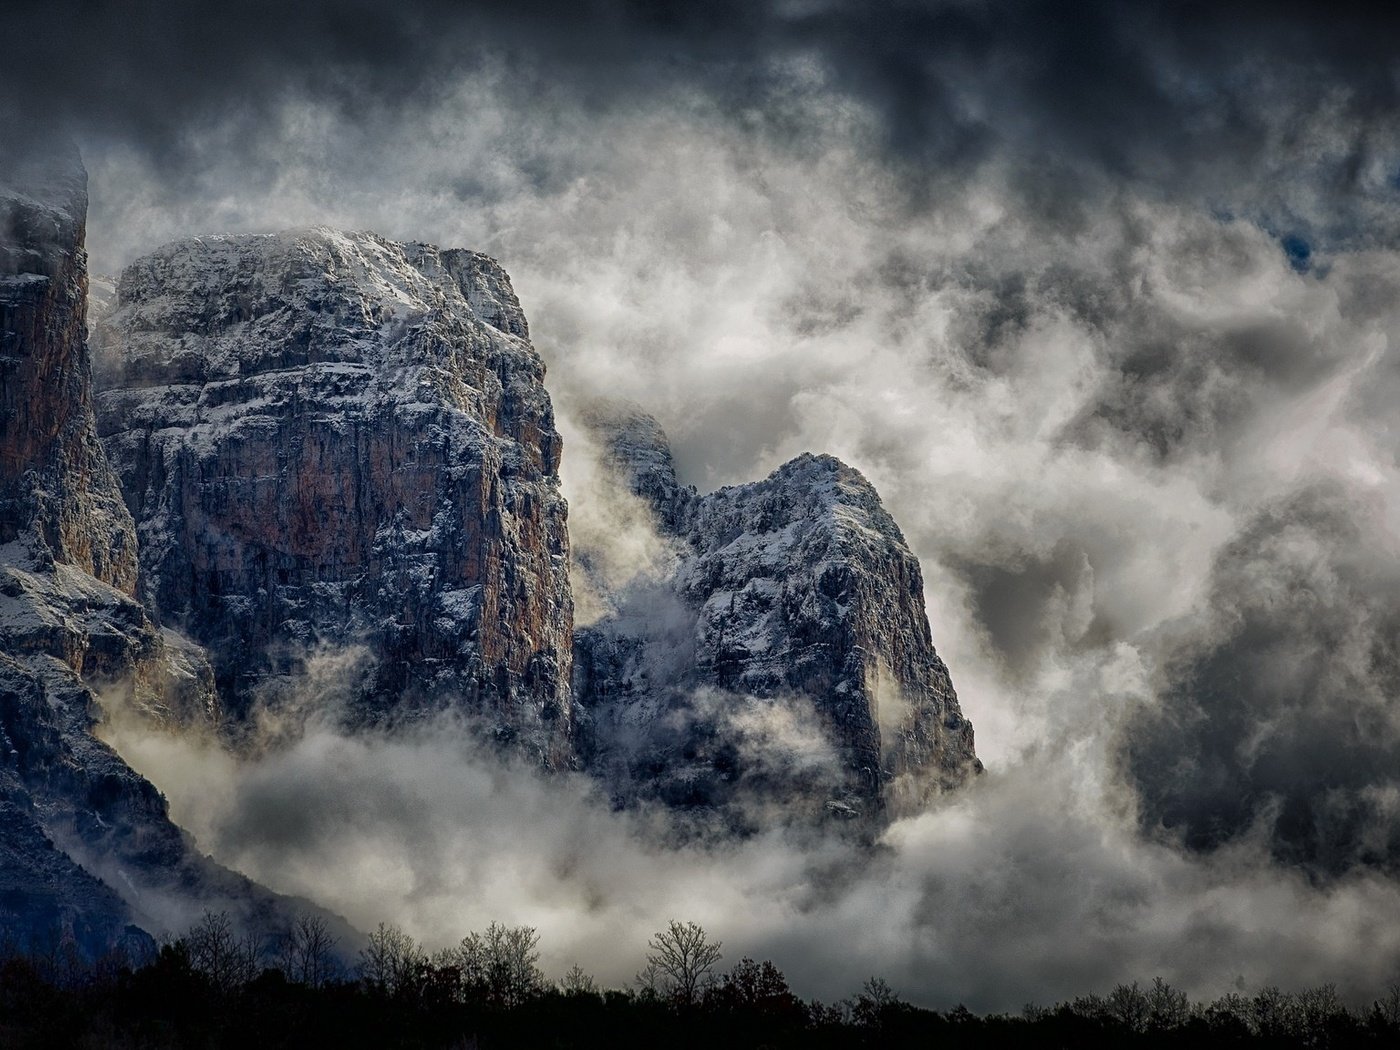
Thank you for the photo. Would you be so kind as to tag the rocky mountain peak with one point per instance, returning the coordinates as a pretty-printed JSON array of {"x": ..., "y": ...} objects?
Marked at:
[
  {"x": 324, "y": 442},
  {"x": 331, "y": 439},
  {"x": 55, "y": 484},
  {"x": 87, "y": 850},
  {"x": 793, "y": 600},
  {"x": 637, "y": 452}
]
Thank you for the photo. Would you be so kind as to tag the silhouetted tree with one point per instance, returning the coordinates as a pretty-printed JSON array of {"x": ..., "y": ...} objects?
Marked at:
[
  {"x": 392, "y": 961},
  {"x": 1317, "y": 1014},
  {"x": 1229, "y": 1013},
  {"x": 681, "y": 958},
  {"x": 306, "y": 953},
  {"x": 217, "y": 950},
  {"x": 754, "y": 986},
  {"x": 1388, "y": 1006},
  {"x": 1268, "y": 1013},
  {"x": 828, "y": 1015},
  {"x": 1092, "y": 1007},
  {"x": 167, "y": 1002},
  {"x": 875, "y": 1003},
  {"x": 578, "y": 982},
  {"x": 1167, "y": 1008},
  {"x": 1127, "y": 1004},
  {"x": 499, "y": 966}
]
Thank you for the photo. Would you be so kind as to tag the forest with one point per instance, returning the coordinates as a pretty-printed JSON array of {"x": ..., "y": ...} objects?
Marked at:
[{"x": 215, "y": 988}]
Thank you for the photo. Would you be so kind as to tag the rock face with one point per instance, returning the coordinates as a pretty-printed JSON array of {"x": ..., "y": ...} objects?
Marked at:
[
  {"x": 87, "y": 852},
  {"x": 786, "y": 658},
  {"x": 330, "y": 439},
  {"x": 54, "y": 479},
  {"x": 329, "y": 442}
]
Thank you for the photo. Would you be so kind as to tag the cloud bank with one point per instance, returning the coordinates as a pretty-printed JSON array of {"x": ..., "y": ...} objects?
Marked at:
[
  {"x": 1031, "y": 886},
  {"x": 1102, "y": 302}
]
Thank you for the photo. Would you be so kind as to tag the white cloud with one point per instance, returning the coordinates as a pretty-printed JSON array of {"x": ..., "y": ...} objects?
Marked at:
[{"x": 1070, "y": 406}]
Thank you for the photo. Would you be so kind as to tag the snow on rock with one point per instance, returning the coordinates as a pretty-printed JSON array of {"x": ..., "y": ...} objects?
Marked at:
[
  {"x": 53, "y": 476},
  {"x": 87, "y": 850},
  {"x": 793, "y": 625},
  {"x": 328, "y": 439}
]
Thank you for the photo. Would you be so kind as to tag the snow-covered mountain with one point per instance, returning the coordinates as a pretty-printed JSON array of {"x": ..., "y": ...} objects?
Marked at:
[
  {"x": 87, "y": 850},
  {"x": 320, "y": 442},
  {"x": 785, "y": 662},
  {"x": 330, "y": 439}
]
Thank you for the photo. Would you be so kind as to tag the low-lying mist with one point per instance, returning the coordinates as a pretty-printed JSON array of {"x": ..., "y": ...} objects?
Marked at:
[
  {"x": 1031, "y": 885},
  {"x": 1138, "y": 428}
]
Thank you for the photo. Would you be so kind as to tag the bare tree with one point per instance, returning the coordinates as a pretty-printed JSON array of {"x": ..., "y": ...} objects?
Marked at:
[
  {"x": 514, "y": 963},
  {"x": 680, "y": 960},
  {"x": 217, "y": 951},
  {"x": 1270, "y": 1011},
  {"x": 874, "y": 1003},
  {"x": 1232, "y": 1009},
  {"x": 577, "y": 982},
  {"x": 1388, "y": 1007},
  {"x": 307, "y": 952},
  {"x": 500, "y": 965},
  {"x": 1167, "y": 1007},
  {"x": 472, "y": 963},
  {"x": 651, "y": 982},
  {"x": 392, "y": 961},
  {"x": 1128, "y": 1005},
  {"x": 1315, "y": 1010}
]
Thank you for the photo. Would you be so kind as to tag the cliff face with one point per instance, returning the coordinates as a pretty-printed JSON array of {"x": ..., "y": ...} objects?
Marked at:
[
  {"x": 87, "y": 851},
  {"x": 54, "y": 480},
  {"x": 333, "y": 441},
  {"x": 330, "y": 439},
  {"x": 787, "y": 657}
]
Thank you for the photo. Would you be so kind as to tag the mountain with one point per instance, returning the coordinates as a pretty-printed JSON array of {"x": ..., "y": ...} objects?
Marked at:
[
  {"x": 784, "y": 662},
  {"x": 329, "y": 439},
  {"x": 334, "y": 442},
  {"x": 322, "y": 468},
  {"x": 88, "y": 853}
]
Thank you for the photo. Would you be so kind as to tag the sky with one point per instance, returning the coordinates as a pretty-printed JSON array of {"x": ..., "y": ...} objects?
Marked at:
[{"x": 1100, "y": 297}]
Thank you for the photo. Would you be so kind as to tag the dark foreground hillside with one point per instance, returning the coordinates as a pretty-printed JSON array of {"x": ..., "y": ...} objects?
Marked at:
[{"x": 213, "y": 990}]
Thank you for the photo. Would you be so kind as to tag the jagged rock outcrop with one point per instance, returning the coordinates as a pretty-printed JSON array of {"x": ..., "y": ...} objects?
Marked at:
[
  {"x": 87, "y": 851},
  {"x": 54, "y": 479},
  {"x": 786, "y": 658},
  {"x": 638, "y": 454},
  {"x": 330, "y": 439},
  {"x": 333, "y": 441}
]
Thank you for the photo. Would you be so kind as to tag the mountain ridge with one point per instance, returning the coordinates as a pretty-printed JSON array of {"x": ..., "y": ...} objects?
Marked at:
[
  {"x": 330, "y": 439},
  {"x": 88, "y": 853},
  {"x": 312, "y": 441},
  {"x": 799, "y": 586}
]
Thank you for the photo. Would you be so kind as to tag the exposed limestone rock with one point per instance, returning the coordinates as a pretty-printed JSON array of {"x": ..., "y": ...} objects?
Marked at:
[
  {"x": 87, "y": 851},
  {"x": 787, "y": 660},
  {"x": 638, "y": 453},
  {"x": 54, "y": 479},
  {"x": 330, "y": 439}
]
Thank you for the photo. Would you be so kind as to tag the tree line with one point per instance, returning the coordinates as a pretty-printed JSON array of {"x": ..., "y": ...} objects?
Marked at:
[{"x": 217, "y": 987}]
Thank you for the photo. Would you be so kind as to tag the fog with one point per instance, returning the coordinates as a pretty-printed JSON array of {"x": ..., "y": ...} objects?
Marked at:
[
  {"x": 1032, "y": 885},
  {"x": 1107, "y": 318}
]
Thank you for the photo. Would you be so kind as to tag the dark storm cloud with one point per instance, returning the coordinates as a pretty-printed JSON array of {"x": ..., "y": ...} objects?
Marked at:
[
  {"x": 1161, "y": 92},
  {"x": 1281, "y": 716},
  {"x": 1187, "y": 385},
  {"x": 1033, "y": 268},
  {"x": 1016, "y": 596}
]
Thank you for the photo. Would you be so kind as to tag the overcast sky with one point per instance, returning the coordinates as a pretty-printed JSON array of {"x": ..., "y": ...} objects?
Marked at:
[{"x": 1100, "y": 297}]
